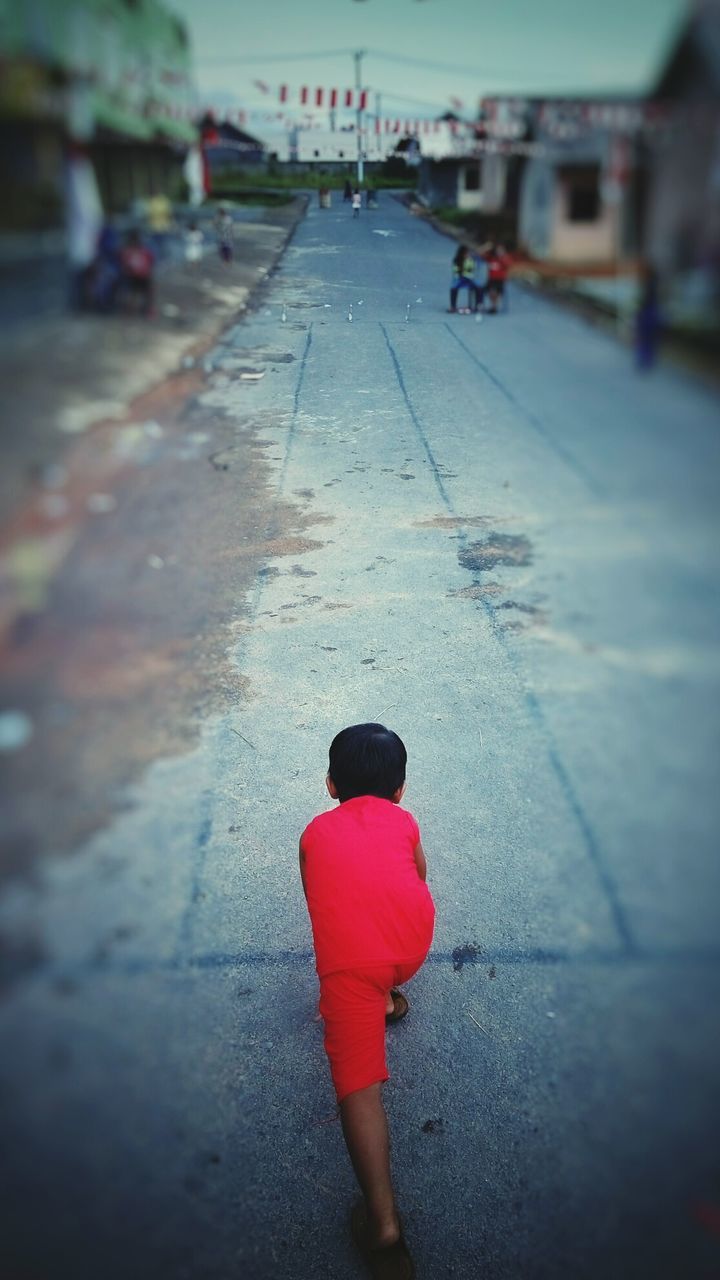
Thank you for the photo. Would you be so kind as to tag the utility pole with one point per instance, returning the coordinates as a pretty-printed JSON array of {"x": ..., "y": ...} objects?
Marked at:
[{"x": 358, "y": 56}]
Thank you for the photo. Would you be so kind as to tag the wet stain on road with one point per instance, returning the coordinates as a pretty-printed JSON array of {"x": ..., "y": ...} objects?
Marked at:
[
  {"x": 466, "y": 954},
  {"x": 509, "y": 549},
  {"x": 459, "y": 522},
  {"x": 433, "y": 1126},
  {"x": 476, "y": 591}
]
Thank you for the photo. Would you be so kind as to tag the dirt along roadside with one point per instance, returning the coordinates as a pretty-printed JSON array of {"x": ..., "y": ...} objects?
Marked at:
[{"x": 126, "y": 547}]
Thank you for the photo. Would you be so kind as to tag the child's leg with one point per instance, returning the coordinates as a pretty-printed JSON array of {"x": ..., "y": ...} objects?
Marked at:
[
  {"x": 366, "y": 1135},
  {"x": 353, "y": 1005}
]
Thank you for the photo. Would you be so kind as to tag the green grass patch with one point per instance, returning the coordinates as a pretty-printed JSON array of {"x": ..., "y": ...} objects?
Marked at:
[{"x": 311, "y": 180}]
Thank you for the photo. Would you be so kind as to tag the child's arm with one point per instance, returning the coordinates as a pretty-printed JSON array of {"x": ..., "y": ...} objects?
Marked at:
[
  {"x": 302, "y": 869},
  {"x": 420, "y": 862}
]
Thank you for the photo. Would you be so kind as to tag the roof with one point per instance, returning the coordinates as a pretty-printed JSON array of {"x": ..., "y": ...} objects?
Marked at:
[{"x": 693, "y": 67}]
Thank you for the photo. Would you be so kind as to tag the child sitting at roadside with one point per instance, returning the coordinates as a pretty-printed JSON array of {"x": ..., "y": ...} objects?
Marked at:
[{"x": 363, "y": 872}]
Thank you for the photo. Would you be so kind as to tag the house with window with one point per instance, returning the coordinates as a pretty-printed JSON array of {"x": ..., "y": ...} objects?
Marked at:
[
  {"x": 476, "y": 167},
  {"x": 465, "y": 181},
  {"x": 568, "y": 210}
]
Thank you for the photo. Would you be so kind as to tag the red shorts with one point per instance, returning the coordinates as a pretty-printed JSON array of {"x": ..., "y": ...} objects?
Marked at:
[{"x": 352, "y": 1003}]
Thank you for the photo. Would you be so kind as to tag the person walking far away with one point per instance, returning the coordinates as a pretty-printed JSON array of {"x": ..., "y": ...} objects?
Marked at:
[
  {"x": 225, "y": 232},
  {"x": 463, "y": 277},
  {"x": 347, "y": 192},
  {"x": 363, "y": 873},
  {"x": 648, "y": 321},
  {"x": 356, "y": 203}
]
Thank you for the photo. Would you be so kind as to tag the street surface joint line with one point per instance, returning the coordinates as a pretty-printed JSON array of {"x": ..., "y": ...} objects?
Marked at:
[
  {"x": 296, "y": 410},
  {"x": 568, "y": 458},
  {"x": 417, "y": 424},
  {"x": 590, "y": 841}
]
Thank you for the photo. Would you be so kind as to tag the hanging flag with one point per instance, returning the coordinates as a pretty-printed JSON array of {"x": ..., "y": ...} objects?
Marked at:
[
  {"x": 348, "y": 97},
  {"x": 318, "y": 97},
  {"x": 283, "y": 93},
  {"x": 363, "y": 99},
  {"x": 333, "y": 99},
  {"x": 304, "y": 95},
  {"x": 377, "y": 124}
]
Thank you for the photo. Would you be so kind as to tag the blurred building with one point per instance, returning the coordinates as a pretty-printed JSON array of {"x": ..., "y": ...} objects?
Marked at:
[
  {"x": 682, "y": 239},
  {"x": 230, "y": 151},
  {"x": 113, "y": 76},
  {"x": 581, "y": 195}
]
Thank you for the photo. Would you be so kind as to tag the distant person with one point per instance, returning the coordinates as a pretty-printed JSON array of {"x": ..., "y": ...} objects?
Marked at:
[
  {"x": 363, "y": 872},
  {"x": 498, "y": 264},
  {"x": 137, "y": 266},
  {"x": 107, "y": 274},
  {"x": 84, "y": 220},
  {"x": 463, "y": 277},
  {"x": 225, "y": 232},
  {"x": 648, "y": 321},
  {"x": 347, "y": 193},
  {"x": 160, "y": 217},
  {"x": 193, "y": 243},
  {"x": 356, "y": 203}
]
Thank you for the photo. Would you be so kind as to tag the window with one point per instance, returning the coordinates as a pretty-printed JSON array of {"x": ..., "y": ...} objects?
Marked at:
[
  {"x": 582, "y": 187},
  {"x": 472, "y": 177}
]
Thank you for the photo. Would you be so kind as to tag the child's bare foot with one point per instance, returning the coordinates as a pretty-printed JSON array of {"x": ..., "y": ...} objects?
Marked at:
[
  {"x": 385, "y": 1252},
  {"x": 396, "y": 1006}
]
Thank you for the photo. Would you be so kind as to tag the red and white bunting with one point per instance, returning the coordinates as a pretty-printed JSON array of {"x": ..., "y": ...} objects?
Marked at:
[{"x": 352, "y": 99}]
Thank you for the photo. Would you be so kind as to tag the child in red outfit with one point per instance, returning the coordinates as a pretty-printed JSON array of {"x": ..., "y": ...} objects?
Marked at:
[{"x": 363, "y": 871}]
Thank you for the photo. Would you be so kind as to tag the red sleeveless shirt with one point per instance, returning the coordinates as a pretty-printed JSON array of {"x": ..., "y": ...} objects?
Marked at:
[{"x": 366, "y": 900}]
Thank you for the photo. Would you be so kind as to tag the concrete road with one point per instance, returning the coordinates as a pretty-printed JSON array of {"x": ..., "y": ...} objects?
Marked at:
[{"x": 505, "y": 550}]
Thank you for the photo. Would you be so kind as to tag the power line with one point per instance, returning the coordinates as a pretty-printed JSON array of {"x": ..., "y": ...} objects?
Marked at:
[
  {"x": 423, "y": 63},
  {"x": 453, "y": 68},
  {"x": 237, "y": 60}
]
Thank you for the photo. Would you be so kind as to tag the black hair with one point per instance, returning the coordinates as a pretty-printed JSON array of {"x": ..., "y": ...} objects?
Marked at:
[
  {"x": 367, "y": 760},
  {"x": 460, "y": 256}
]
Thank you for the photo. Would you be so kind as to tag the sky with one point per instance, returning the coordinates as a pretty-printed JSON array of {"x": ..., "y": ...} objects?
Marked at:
[{"x": 420, "y": 54}]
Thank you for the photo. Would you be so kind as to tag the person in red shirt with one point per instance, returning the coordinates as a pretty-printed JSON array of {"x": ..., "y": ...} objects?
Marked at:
[
  {"x": 363, "y": 872},
  {"x": 498, "y": 264},
  {"x": 137, "y": 264}
]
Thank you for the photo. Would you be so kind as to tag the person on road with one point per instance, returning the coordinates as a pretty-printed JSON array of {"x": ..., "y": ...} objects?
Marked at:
[
  {"x": 648, "y": 321},
  {"x": 363, "y": 873},
  {"x": 356, "y": 203},
  {"x": 193, "y": 243},
  {"x": 498, "y": 264},
  {"x": 347, "y": 192},
  {"x": 225, "y": 232},
  {"x": 463, "y": 277}
]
